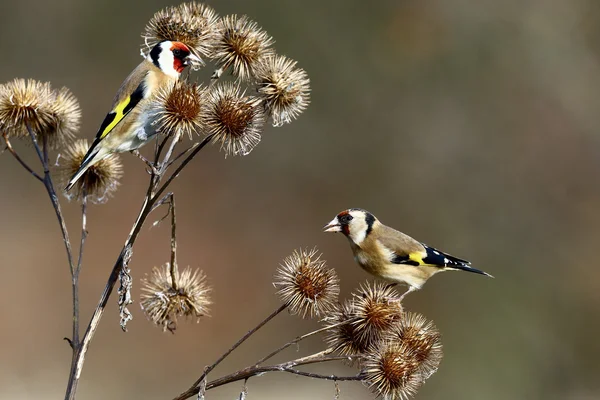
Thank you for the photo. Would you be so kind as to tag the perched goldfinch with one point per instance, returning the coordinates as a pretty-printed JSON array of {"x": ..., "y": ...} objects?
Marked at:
[
  {"x": 392, "y": 255},
  {"x": 127, "y": 126}
]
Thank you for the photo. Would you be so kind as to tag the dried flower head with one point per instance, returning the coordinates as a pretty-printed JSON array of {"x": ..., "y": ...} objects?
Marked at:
[
  {"x": 52, "y": 116},
  {"x": 424, "y": 340},
  {"x": 98, "y": 182},
  {"x": 341, "y": 335},
  {"x": 376, "y": 309},
  {"x": 193, "y": 24},
  {"x": 240, "y": 44},
  {"x": 177, "y": 109},
  {"x": 391, "y": 370},
  {"x": 66, "y": 121},
  {"x": 168, "y": 295},
  {"x": 236, "y": 120},
  {"x": 26, "y": 103},
  {"x": 284, "y": 88},
  {"x": 371, "y": 313},
  {"x": 306, "y": 284}
]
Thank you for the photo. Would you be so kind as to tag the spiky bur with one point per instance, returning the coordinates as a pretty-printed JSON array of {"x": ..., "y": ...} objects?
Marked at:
[
  {"x": 391, "y": 370},
  {"x": 284, "y": 88},
  {"x": 100, "y": 180},
  {"x": 370, "y": 314},
  {"x": 240, "y": 44},
  {"x": 306, "y": 284},
  {"x": 424, "y": 340},
  {"x": 165, "y": 299},
  {"x": 193, "y": 24},
  {"x": 177, "y": 110},
  {"x": 53, "y": 116},
  {"x": 235, "y": 119}
]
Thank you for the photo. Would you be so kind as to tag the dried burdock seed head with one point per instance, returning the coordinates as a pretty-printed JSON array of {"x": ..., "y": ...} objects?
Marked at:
[
  {"x": 423, "y": 339},
  {"x": 391, "y": 370},
  {"x": 236, "y": 120},
  {"x": 342, "y": 336},
  {"x": 168, "y": 295},
  {"x": 177, "y": 110},
  {"x": 306, "y": 284},
  {"x": 376, "y": 309},
  {"x": 240, "y": 44},
  {"x": 98, "y": 182},
  {"x": 193, "y": 24},
  {"x": 66, "y": 121},
  {"x": 284, "y": 88},
  {"x": 371, "y": 313},
  {"x": 26, "y": 103}
]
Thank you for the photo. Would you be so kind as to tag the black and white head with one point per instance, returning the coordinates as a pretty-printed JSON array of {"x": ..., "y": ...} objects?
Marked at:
[
  {"x": 171, "y": 57},
  {"x": 355, "y": 223}
]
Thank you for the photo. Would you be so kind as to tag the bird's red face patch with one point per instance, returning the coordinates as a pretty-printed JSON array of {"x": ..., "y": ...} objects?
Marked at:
[
  {"x": 344, "y": 219},
  {"x": 180, "y": 52}
]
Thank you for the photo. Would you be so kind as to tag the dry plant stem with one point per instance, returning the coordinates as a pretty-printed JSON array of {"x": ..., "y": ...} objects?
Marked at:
[
  {"x": 288, "y": 366},
  {"x": 19, "y": 159},
  {"x": 52, "y": 193},
  {"x": 173, "y": 266},
  {"x": 152, "y": 195},
  {"x": 75, "y": 278},
  {"x": 237, "y": 344},
  {"x": 298, "y": 339}
]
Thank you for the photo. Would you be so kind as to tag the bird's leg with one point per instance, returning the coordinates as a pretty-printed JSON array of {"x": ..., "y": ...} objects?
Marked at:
[
  {"x": 149, "y": 163},
  {"x": 410, "y": 289}
]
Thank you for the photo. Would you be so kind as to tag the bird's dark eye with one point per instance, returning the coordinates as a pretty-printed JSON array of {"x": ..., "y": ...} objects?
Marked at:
[
  {"x": 177, "y": 53},
  {"x": 344, "y": 219}
]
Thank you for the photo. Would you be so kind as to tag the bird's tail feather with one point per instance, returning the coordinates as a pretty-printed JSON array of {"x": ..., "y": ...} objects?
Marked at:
[
  {"x": 89, "y": 160},
  {"x": 445, "y": 260},
  {"x": 464, "y": 267}
]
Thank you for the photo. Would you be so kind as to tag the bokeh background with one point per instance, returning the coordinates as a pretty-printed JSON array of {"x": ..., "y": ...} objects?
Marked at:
[{"x": 472, "y": 126}]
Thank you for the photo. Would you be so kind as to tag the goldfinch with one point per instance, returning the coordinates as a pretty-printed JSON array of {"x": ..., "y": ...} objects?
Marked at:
[
  {"x": 392, "y": 255},
  {"x": 127, "y": 126}
]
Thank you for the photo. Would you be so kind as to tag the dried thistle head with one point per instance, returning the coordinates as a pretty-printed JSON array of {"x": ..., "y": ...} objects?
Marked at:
[
  {"x": 240, "y": 44},
  {"x": 66, "y": 121},
  {"x": 391, "y": 370},
  {"x": 26, "y": 102},
  {"x": 306, "y": 284},
  {"x": 192, "y": 23},
  {"x": 177, "y": 109},
  {"x": 235, "y": 119},
  {"x": 284, "y": 88},
  {"x": 371, "y": 313},
  {"x": 376, "y": 310},
  {"x": 341, "y": 335},
  {"x": 424, "y": 340},
  {"x": 168, "y": 295},
  {"x": 100, "y": 180}
]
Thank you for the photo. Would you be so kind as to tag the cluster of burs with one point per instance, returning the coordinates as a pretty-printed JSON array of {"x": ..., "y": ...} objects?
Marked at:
[{"x": 394, "y": 351}]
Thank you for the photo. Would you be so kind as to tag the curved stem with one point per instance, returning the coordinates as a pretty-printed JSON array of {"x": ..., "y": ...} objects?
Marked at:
[
  {"x": 75, "y": 277},
  {"x": 238, "y": 343},
  {"x": 289, "y": 367},
  {"x": 20, "y": 160}
]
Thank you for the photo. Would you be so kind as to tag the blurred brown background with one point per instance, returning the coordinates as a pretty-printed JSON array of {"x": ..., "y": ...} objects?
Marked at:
[{"x": 472, "y": 126}]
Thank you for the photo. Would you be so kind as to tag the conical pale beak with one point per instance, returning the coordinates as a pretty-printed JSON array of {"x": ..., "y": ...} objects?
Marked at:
[
  {"x": 333, "y": 226},
  {"x": 192, "y": 58}
]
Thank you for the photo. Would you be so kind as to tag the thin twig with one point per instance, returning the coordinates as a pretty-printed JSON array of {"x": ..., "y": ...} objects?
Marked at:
[
  {"x": 196, "y": 148},
  {"x": 300, "y": 338},
  {"x": 239, "y": 342},
  {"x": 165, "y": 163},
  {"x": 289, "y": 367},
  {"x": 53, "y": 197},
  {"x": 20, "y": 160},
  {"x": 75, "y": 277},
  {"x": 173, "y": 266}
]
